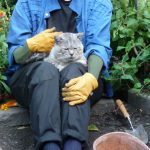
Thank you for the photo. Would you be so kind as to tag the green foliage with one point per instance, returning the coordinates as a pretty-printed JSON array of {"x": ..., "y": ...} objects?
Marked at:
[
  {"x": 8, "y": 4},
  {"x": 130, "y": 32},
  {"x": 3, "y": 49}
]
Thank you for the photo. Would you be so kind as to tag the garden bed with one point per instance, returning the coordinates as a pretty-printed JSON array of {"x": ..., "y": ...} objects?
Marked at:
[{"x": 108, "y": 119}]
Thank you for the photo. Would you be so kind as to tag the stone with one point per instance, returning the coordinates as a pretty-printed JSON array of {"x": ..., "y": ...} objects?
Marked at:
[
  {"x": 15, "y": 131},
  {"x": 14, "y": 117}
]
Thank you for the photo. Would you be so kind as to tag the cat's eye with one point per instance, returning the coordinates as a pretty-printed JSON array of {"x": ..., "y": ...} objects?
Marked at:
[{"x": 65, "y": 49}]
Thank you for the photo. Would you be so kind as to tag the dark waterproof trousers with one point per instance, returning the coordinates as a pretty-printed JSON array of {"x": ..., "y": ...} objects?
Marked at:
[{"x": 37, "y": 86}]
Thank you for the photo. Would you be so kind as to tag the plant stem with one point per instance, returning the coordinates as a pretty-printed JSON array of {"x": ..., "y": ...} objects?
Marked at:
[
  {"x": 135, "y": 51},
  {"x": 8, "y": 8}
]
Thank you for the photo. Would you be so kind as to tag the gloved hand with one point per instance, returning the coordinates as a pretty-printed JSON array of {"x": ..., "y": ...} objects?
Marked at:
[
  {"x": 78, "y": 89},
  {"x": 42, "y": 42}
]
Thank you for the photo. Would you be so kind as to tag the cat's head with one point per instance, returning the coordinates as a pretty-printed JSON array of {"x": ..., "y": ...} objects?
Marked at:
[{"x": 68, "y": 47}]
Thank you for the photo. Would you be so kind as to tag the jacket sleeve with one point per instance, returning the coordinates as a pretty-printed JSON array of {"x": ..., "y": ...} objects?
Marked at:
[
  {"x": 20, "y": 29},
  {"x": 98, "y": 31}
]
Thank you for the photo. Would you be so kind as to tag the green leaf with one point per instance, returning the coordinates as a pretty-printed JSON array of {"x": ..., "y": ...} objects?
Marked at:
[
  {"x": 127, "y": 66},
  {"x": 133, "y": 61},
  {"x": 127, "y": 32},
  {"x": 140, "y": 42},
  {"x": 145, "y": 55},
  {"x": 2, "y": 37},
  {"x": 4, "y": 46},
  {"x": 146, "y": 14},
  {"x": 146, "y": 21},
  {"x": 119, "y": 13},
  {"x": 147, "y": 81},
  {"x": 115, "y": 35},
  {"x": 114, "y": 25},
  {"x": 125, "y": 58},
  {"x": 142, "y": 4},
  {"x": 117, "y": 66},
  {"x": 92, "y": 127},
  {"x": 5, "y": 86},
  {"x": 129, "y": 46},
  {"x": 138, "y": 85},
  {"x": 122, "y": 36},
  {"x": 120, "y": 48},
  {"x": 2, "y": 77},
  {"x": 132, "y": 23},
  {"x": 124, "y": 4},
  {"x": 136, "y": 90},
  {"x": 127, "y": 77}
]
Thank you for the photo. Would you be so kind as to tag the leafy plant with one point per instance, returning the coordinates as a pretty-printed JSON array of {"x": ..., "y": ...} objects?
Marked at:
[
  {"x": 9, "y": 5},
  {"x": 3, "y": 50},
  {"x": 130, "y": 32}
]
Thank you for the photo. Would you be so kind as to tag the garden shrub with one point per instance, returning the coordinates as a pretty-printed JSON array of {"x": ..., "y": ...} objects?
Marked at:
[
  {"x": 130, "y": 31},
  {"x": 4, "y": 22},
  {"x": 8, "y": 4}
]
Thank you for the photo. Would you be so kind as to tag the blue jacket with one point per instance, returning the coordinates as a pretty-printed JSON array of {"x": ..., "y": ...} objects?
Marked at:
[{"x": 94, "y": 18}]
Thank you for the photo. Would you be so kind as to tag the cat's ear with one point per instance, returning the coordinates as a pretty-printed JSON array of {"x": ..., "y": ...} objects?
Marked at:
[
  {"x": 80, "y": 35},
  {"x": 58, "y": 39}
]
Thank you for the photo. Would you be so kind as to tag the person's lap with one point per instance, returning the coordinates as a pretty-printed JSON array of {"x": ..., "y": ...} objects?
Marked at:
[{"x": 38, "y": 87}]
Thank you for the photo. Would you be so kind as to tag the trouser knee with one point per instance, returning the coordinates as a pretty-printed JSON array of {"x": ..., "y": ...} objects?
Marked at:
[
  {"x": 43, "y": 71},
  {"x": 25, "y": 79},
  {"x": 71, "y": 71}
]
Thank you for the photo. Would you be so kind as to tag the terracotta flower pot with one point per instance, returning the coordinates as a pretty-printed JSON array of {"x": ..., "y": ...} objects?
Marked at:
[{"x": 118, "y": 141}]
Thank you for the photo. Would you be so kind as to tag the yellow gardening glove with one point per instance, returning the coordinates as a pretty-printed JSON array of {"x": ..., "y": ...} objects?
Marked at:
[
  {"x": 42, "y": 42},
  {"x": 78, "y": 89}
]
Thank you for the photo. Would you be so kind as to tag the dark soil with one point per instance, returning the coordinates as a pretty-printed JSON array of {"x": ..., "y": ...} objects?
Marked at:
[{"x": 108, "y": 118}]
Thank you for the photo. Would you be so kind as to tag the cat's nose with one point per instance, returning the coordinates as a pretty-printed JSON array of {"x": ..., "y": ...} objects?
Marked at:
[{"x": 71, "y": 54}]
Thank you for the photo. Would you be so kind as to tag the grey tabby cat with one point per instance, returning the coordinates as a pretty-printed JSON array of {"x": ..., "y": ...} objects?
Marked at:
[{"x": 68, "y": 48}]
